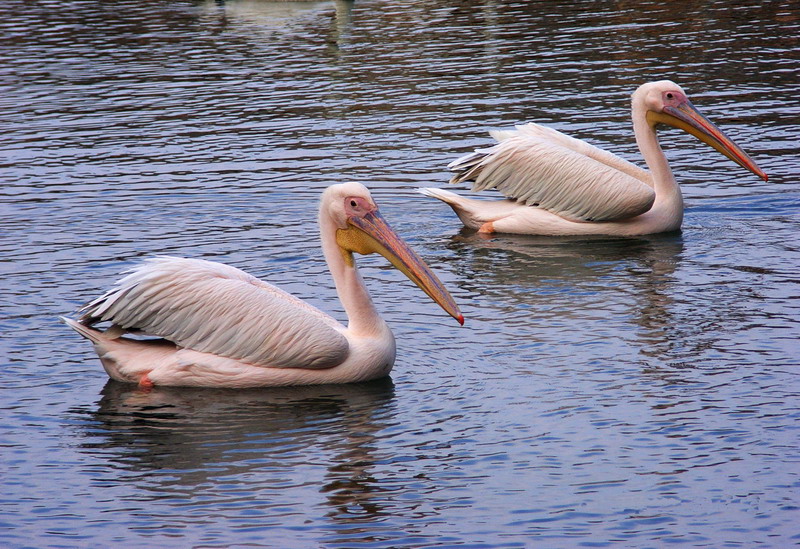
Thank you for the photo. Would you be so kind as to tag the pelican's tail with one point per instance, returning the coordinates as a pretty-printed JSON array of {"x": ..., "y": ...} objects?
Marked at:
[
  {"x": 473, "y": 213},
  {"x": 93, "y": 335},
  {"x": 124, "y": 359},
  {"x": 443, "y": 195}
]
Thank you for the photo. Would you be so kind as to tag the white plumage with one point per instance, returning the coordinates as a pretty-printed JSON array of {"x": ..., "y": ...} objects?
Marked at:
[
  {"x": 215, "y": 308},
  {"x": 561, "y": 185},
  {"x": 580, "y": 183},
  {"x": 221, "y": 327}
]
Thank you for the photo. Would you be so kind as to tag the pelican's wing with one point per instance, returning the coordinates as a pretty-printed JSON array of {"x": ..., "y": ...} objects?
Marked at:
[
  {"x": 218, "y": 309},
  {"x": 542, "y": 167}
]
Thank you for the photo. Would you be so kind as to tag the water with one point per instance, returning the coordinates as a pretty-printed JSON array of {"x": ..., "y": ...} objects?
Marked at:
[{"x": 604, "y": 392}]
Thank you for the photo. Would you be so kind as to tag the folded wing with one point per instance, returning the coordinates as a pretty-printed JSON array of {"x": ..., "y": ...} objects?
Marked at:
[
  {"x": 544, "y": 168},
  {"x": 218, "y": 309}
]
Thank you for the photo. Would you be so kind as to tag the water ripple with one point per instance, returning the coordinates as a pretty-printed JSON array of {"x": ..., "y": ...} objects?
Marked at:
[{"x": 605, "y": 392}]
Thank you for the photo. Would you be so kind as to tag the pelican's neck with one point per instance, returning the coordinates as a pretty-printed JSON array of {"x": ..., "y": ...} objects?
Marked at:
[
  {"x": 668, "y": 193},
  {"x": 363, "y": 318}
]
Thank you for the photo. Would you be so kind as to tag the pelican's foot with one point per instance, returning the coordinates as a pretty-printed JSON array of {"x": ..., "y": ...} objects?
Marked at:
[
  {"x": 487, "y": 227},
  {"x": 145, "y": 383}
]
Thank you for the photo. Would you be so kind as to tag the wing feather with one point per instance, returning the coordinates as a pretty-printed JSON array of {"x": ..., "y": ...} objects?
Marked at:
[
  {"x": 577, "y": 145},
  {"x": 218, "y": 309},
  {"x": 545, "y": 168}
]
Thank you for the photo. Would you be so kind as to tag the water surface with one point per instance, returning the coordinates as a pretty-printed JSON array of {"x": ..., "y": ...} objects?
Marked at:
[{"x": 604, "y": 392}]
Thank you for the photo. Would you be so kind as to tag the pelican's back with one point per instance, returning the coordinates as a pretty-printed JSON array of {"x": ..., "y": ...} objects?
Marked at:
[
  {"x": 215, "y": 308},
  {"x": 544, "y": 168}
]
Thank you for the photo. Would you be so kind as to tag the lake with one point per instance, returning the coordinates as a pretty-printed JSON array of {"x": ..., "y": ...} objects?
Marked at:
[{"x": 603, "y": 392}]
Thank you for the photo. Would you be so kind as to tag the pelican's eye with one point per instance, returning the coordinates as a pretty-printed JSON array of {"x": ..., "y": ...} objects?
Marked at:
[
  {"x": 672, "y": 98},
  {"x": 356, "y": 205}
]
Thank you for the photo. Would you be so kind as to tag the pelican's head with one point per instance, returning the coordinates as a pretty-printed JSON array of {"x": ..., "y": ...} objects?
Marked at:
[
  {"x": 360, "y": 228},
  {"x": 664, "y": 102}
]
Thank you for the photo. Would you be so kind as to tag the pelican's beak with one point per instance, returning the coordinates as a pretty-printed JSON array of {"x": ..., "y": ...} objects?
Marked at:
[
  {"x": 686, "y": 117},
  {"x": 370, "y": 233}
]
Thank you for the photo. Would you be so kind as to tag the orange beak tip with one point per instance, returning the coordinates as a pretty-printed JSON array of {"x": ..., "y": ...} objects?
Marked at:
[{"x": 460, "y": 319}]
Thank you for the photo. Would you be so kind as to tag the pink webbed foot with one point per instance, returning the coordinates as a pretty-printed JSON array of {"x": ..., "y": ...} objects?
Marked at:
[{"x": 145, "y": 383}]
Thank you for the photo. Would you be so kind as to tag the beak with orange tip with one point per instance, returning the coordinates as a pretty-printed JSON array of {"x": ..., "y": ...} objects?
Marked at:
[
  {"x": 682, "y": 114},
  {"x": 368, "y": 232}
]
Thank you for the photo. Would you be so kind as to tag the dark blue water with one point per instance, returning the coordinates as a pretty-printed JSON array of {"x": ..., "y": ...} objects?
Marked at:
[{"x": 604, "y": 392}]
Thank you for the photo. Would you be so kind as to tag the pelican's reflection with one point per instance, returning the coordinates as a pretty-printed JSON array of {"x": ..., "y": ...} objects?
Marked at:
[
  {"x": 263, "y": 18},
  {"x": 522, "y": 262},
  {"x": 188, "y": 442},
  {"x": 569, "y": 277}
]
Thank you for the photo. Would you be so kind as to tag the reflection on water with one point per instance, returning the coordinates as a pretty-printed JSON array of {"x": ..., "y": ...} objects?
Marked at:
[
  {"x": 220, "y": 444},
  {"x": 613, "y": 392},
  {"x": 563, "y": 282},
  {"x": 256, "y": 18},
  {"x": 535, "y": 261}
]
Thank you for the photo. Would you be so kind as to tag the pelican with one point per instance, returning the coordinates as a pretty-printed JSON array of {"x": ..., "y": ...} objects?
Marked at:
[
  {"x": 559, "y": 185},
  {"x": 217, "y": 326}
]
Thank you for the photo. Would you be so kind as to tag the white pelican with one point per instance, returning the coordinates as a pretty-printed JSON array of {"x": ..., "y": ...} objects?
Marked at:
[
  {"x": 558, "y": 185},
  {"x": 220, "y": 327}
]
